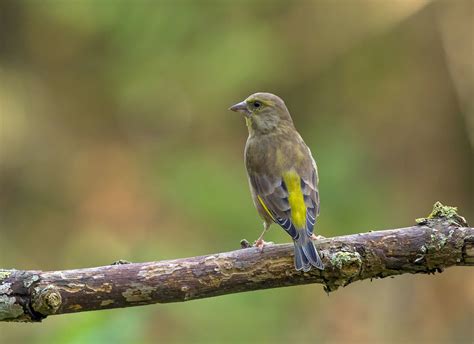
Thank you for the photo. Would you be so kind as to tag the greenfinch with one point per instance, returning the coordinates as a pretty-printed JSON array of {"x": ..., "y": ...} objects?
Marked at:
[{"x": 282, "y": 175}]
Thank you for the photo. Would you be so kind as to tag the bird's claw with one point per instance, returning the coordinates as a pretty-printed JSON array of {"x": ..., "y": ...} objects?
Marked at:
[
  {"x": 260, "y": 244},
  {"x": 317, "y": 237}
]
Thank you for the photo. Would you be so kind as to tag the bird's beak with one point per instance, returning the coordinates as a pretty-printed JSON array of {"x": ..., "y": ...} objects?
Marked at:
[{"x": 240, "y": 107}]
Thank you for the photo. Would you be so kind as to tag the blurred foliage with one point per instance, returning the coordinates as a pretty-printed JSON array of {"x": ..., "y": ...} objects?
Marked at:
[{"x": 116, "y": 142}]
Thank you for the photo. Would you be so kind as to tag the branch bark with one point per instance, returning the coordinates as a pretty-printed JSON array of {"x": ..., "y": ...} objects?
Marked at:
[{"x": 439, "y": 241}]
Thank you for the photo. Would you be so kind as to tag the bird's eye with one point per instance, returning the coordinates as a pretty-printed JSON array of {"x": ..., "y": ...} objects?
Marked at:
[{"x": 257, "y": 104}]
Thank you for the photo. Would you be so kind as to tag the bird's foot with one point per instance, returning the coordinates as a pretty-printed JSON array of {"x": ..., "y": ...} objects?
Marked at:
[
  {"x": 317, "y": 237},
  {"x": 260, "y": 244}
]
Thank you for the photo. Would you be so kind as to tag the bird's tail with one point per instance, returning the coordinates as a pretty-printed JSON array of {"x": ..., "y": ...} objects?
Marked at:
[{"x": 306, "y": 254}]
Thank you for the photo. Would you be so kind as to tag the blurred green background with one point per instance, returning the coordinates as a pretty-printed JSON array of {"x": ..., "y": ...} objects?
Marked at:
[{"x": 116, "y": 142}]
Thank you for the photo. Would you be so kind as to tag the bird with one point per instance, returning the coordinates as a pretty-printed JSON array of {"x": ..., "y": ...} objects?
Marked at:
[{"x": 282, "y": 175}]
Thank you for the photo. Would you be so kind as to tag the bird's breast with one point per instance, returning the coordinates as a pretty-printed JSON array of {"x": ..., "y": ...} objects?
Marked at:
[
  {"x": 261, "y": 154},
  {"x": 274, "y": 153}
]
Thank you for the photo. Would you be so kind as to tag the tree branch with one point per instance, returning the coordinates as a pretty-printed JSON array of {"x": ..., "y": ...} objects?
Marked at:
[{"x": 439, "y": 241}]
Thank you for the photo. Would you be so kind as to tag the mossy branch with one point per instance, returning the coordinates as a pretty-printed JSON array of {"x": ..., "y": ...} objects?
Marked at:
[{"x": 441, "y": 240}]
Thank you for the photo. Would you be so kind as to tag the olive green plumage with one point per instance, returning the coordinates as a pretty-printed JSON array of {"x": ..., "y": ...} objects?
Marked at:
[{"x": 282, "y": 174}]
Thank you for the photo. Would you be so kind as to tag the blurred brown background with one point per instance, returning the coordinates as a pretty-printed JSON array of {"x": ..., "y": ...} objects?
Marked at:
[{"x": 116, "y": 142}]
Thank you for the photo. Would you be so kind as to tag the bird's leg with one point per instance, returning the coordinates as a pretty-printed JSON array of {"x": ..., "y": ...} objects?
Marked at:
[
  {"x": 260, "y": 243},
  {"x": 317, "y": 237}
]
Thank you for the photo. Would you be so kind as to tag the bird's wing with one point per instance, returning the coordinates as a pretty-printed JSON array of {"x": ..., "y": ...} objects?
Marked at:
[
  {"x": 277, "y": 196},
  {"x": 309, "y": 185}
]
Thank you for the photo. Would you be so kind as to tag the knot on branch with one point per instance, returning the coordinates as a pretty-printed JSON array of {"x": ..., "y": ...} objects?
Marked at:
[{"x": 47, "y": 300}]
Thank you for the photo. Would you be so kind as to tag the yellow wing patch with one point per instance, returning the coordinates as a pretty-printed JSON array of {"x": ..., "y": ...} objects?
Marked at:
[
  {"x": 265, "y": 207},
  {"x": 295, "y": 198}
]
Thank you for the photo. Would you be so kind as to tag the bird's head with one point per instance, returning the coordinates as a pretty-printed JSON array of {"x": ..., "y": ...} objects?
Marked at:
[{"x": 264, "y": 112}]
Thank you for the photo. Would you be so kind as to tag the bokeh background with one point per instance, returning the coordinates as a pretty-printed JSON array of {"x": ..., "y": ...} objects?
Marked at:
[{"x": 116, "y": 142}]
